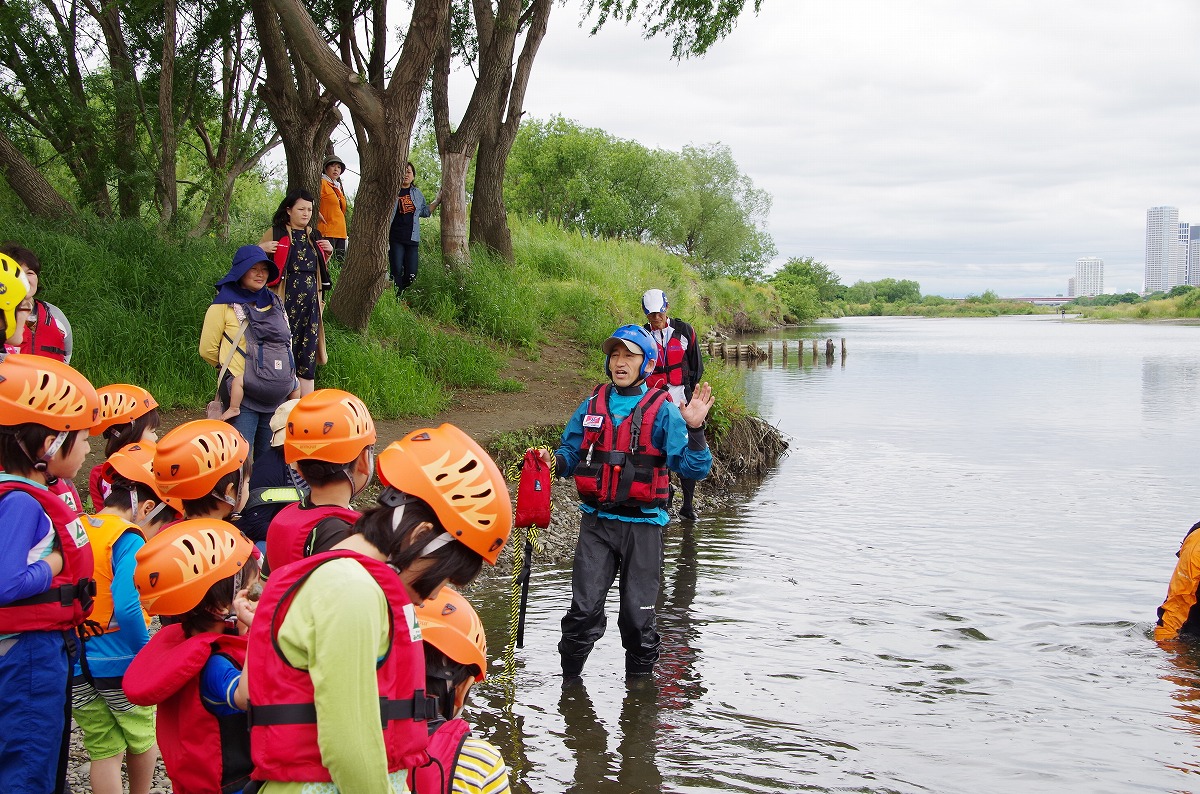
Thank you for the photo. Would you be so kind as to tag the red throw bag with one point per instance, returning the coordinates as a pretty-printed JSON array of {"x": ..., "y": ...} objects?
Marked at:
[{"x": 533, "y": 492}]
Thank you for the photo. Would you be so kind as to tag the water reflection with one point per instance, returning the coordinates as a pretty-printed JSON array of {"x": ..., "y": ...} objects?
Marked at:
[
  {"x": 634, "y": 766},
  {"x": 1169, "y": 386}
]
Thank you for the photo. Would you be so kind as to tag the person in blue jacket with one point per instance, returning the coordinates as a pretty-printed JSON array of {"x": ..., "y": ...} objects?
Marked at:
[
  {"x": 404, "y": 235},
  {"x": 621, "y": 445}
]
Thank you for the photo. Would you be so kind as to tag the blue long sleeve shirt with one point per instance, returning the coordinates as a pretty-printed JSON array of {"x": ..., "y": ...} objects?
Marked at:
[
  {"x": 670, "y": 434},
  {"x": 27, "y": 539}
]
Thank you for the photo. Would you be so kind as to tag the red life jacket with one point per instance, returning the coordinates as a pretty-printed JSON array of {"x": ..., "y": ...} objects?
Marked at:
[
  {"x": 70, "y": 597},
  {"x": 290, "y": 532},
  {"x": 283, "y": 716},
  {"x": 45, "y": 337},
  {"x": 445, "y": 744},
  {"x": 203, "y": 753},
  {"x": 671, "y": 365},
  {"x": 104, "y": 530},
  {"x": 284, "y": 249},
  {"x": 621, "y": 466}
]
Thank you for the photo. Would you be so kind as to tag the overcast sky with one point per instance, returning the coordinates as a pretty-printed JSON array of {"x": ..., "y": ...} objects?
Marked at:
[{"x": 966, "y": 145}]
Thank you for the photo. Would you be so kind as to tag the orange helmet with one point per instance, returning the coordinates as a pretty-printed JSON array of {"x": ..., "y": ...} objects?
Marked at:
[
  {"x": 178, "y": 565},
  {"x": 446, "y": 469},
  {"x": 46, "y": 392},
  {"x": 135, "y": 462},
  {"x": 120, "y": 404},
  {"x": 194, "y": 456},
  {"x": 329, "y": 425},
  {"x": 449, "y": 623}
]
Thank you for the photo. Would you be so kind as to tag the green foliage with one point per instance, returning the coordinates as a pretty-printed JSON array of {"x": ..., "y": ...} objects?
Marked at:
[
  {"x": 1180, "y": 289},
  {"x": 988, "y": 296},
  {"x": 807, "y": 287},
  {"x": 692, "y": 27},
  {"x": 886, "y": 290},
  {"x": 508, "y": 449},
  {"x": 729, "y": 398}
]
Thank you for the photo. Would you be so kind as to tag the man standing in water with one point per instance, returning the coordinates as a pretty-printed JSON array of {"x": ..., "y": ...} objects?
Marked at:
[
  {"x": 677, "y": 369},
  {"x": 621, "y": 445}
]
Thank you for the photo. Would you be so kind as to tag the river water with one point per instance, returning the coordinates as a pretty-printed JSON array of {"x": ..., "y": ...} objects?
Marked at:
[{"x": 948, "y": 585}]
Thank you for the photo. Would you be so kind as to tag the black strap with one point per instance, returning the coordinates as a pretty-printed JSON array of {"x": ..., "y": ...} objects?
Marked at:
[
  {"x": 419, "y": 707},
  {"x": 83, "y": 591},
  {"x": 629, "y": 459}
]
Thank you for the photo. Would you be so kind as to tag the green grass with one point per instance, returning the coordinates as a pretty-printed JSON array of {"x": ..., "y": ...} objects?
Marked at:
[{"x": 136, "y": 303}]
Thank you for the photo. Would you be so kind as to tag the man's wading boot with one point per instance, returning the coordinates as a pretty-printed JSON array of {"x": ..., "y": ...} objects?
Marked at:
[
  {"x": 572, "y": 669},
  {"x": 687, "y": 511}
]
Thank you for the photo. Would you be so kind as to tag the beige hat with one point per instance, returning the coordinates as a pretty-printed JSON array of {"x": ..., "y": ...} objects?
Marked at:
[{"x": 279, "y": 422}]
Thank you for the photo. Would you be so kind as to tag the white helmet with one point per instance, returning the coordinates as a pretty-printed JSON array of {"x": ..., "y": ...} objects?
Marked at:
[{"x": 654, "y": 300}]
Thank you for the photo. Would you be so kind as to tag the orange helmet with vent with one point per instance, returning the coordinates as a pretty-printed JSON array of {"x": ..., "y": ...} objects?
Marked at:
[
  {"x": 135, "y": 462},
  {"x": 329, "y": 425},
  {"x": 450, "y": 624},
  {"x": 446, "y": 469},
  {"x": 178, "y": 565},
  {"x": 120, "y": 404},
  {"x": 14, "y": 287},
  {"x": 46, "y": 392},
  {"x": 193, "y": 457}
]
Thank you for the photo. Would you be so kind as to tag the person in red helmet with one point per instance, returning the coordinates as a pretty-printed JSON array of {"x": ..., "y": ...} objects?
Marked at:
[
  {"x": 336, "y": 670},
  {"x": 621, "y": 445}
]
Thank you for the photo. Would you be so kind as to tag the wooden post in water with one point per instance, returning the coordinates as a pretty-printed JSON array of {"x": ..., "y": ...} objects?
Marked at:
[
  {"x": 814, "y": 351},
  {"x": 843, "y": 348},
  {"x": 829, "y": 350},
  {"x": 785, "y": 352},
  {"x": 770, "y": 353}
]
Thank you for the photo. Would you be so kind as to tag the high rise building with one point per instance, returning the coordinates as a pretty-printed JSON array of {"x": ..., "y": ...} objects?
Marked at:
[
  {"x": 1184, "y": 255},
  {"x": 1089, "y": 277},
  {"x": 1163, "y": 257},
  {"x": 1071, "y": 288},
  {"x": 1194, "y": 255}
]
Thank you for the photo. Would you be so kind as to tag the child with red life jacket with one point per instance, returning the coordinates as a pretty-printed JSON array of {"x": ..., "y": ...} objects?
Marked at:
[
  {"x": 335, "y": 649},
  {"x": 455, "y": 658},
  {"x": 115, "y": 730},
  {"x": 330, "y": 439},
  {"x": 677, "y": 369},
  {"x": 47, "y": 332},
  {"x": 191, "y": 669},
  {"x": 46, "y": 586},
  {"x": 128, "y": 414},
  {"x": 621, "y": 445}
]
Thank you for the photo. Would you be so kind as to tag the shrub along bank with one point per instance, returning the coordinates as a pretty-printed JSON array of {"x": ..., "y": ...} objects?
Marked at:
[{"x": 136, "y": 303}]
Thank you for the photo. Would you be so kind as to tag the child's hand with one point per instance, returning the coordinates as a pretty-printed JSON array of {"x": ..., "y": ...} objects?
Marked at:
[
  {"x": 55, "y": 560},
  {"x": 244, "y": 608}
]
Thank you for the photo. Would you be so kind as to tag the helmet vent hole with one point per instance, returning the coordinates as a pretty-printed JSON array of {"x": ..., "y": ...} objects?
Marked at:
[
  {"x": 469, "y": 465},
  {"x": 189, "y": 545}
]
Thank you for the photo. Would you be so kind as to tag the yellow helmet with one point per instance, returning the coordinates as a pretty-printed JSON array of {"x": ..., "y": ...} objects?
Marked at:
[{"x": 14, "y": 286}]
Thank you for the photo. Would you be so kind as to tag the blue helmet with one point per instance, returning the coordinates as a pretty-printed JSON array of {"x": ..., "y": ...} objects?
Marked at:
[{"x": 638, "y": 340}]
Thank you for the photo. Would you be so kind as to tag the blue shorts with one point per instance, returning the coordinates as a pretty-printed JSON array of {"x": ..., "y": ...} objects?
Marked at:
[{"x": 34, "y": 671}]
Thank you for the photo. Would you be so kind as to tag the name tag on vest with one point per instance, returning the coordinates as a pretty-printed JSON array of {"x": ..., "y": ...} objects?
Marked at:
[{"x": 593, "y": 421}]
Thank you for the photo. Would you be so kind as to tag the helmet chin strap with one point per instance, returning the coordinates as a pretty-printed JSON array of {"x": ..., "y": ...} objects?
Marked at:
[{"x": 43, "y": 463}]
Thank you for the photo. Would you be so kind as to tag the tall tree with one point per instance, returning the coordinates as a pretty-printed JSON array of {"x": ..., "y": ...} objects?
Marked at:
[
  {"x": 35, "y": 192},
  {"x": 387, "y": 113}
]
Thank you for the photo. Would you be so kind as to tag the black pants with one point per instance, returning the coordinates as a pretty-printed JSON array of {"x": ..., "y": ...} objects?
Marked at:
[
  {"x": 607, "y": 548},
  {"x": 402, "y": 264}
]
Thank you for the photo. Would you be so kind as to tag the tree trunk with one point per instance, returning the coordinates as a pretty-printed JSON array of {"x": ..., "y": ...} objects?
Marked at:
[
  {"x": 489, "y": 217},
  {"x": 453, "y": 207},
  {"x": 37, "y": 194},
  {"x": 167, "y": 182}
]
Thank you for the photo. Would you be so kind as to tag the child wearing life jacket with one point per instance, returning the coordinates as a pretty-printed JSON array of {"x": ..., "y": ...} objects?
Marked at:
[
  {"x": 47, "y": 331},
  {"x": 204, "y": 464},
  {"x": 621, "y": 445},
  {"x": 191, "y": 669},
  {"x": 455, "y": 659},
  {"x": 128, "y": 414},
  {"x": 46, "y": 586},
  {"x": 335, "y": 646},
  {"x": 115, "y": 730},
  {"x": 330, "y": 439},
  {"x": 16, "y": 304}
]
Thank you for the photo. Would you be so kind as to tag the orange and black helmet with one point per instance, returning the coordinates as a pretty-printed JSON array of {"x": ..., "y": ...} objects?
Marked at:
[
  {"x": 192, "y": 458},
  {"x": 135, "y": 462},
  {"x": 178, "y": 565},
  {"x": 449, "y": 623},
  {"x": 46, "y": 392},
  {"x": 329, "y": 425},
  {"x": 446, "y": 469},
  {"x": 120, "y": 404}
]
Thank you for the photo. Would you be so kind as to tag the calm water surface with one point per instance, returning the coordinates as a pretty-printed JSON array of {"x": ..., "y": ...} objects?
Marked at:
[{"x": 948, "y": 585}]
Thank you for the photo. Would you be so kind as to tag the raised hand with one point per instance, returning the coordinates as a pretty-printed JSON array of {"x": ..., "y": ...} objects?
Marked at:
[{"x": 696, "y": 411}]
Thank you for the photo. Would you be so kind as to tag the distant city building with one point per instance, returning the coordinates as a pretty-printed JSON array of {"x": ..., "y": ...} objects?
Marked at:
[
  {"x": 1165, "y": 264},
  {"x": 1071, "y": 288},
  {"x": 1193, "y": 256},
  {"x": 1089, "y": 277},
  {"x": 1185, "y": 246}
]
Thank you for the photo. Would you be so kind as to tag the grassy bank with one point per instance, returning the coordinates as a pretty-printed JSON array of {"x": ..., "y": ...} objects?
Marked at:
[
  {"x": 136, "y": 303},
  {"x": 940, "y": 307},
  {"x": 1181, "y": 307}
]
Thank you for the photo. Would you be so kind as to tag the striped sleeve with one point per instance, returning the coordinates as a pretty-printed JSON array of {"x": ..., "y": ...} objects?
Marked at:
[{"x": 480, "y": 769}]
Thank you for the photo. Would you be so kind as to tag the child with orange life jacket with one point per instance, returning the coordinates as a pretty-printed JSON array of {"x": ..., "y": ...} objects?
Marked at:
[
  {"x": 330, "y": 439},
  {"x": 115, "y": 730},
  {"x": 621, "y": 445},
  {"x": 455, "y": 658},
  {"x": 46, "y": 586},
  {"x": 191, "y": 669},
  {"x": 128, "y": 414},
  {"x": 335, "y": 644}
]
